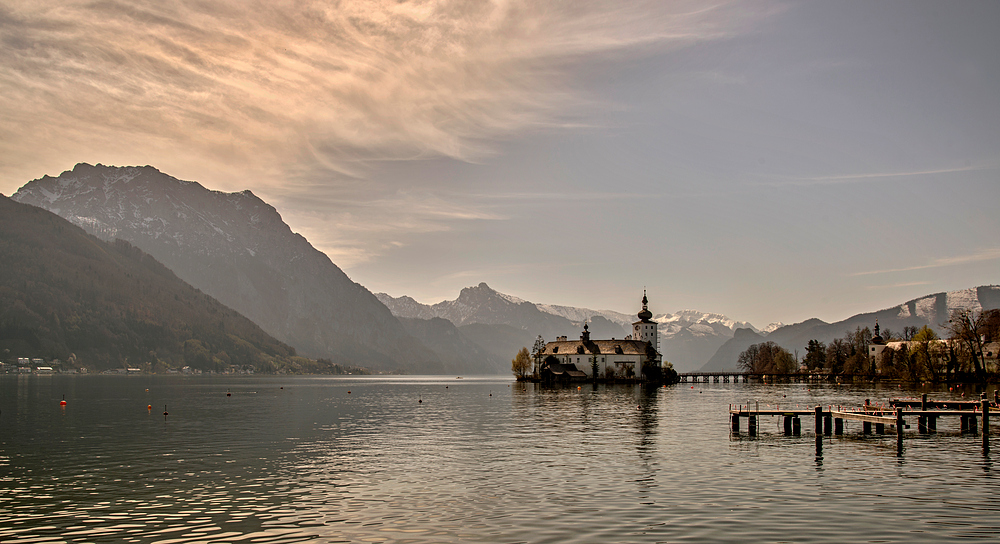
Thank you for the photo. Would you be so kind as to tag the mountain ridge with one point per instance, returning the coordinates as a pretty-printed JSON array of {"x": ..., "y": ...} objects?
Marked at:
[
  {"x": 932, "y": 310},
  {"x": 237, "y": 248},
  {"x": 68, "y": 295}
]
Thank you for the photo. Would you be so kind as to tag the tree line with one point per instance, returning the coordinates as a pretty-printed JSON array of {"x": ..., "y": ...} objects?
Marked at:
[{"x": 913, "y": 354}]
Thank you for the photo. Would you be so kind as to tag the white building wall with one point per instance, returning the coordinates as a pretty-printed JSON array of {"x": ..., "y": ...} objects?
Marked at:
[
  {"x": 646, "y": 332},
  {"x": 583, "y": 363}
]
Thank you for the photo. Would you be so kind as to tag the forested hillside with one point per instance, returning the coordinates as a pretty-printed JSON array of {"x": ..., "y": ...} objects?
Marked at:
[{"x": 66, "y": 295}]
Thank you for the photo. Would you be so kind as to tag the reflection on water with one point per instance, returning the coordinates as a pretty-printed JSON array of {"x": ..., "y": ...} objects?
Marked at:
[{"x": 429, "y": 459}]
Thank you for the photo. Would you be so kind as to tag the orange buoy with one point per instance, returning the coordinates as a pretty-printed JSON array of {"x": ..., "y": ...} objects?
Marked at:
[
  {"x": 149, "y": 407},
  {"x": 63, "y": 401}
]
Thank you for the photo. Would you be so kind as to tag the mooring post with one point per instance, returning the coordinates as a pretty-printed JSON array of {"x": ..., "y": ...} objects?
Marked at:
[
  {"x": 827, "y": 424},
  {"x": 931, "y": 424},
  {"x": 752, "y": 425},
  {"x": 986, "y": 424},
  {"x": 923, "y": 402},
  {"x": 796, "y": 426},
  {"x": 819, "y": 420},
  {"x": 788, "y": 425},
  {"x": 736, "y": 423},
  {"x": 922, "y": 424},
  {"x": 899, "y": 431},
  {"x": 838, "y": 426}
]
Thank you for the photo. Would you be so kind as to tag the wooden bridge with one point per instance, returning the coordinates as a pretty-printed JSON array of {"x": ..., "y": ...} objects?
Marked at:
[
  {"x": 745, "y": 377},
  {"x": 832, "y": 422},
  {"x": 713, "y": 377}
]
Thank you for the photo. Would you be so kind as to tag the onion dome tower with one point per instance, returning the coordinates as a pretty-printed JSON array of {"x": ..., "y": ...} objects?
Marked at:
[
  {"x": 876, "y": 347},
  {"x": 645, "y": 328}
]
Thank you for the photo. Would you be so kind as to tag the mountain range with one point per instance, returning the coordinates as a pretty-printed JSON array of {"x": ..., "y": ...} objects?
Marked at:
[
  {"x": 236, "y": 248},
  {"x": 67, "y": 295},
  {"x": 688, "y": 338},
  {"x": 932, "y": 311}
]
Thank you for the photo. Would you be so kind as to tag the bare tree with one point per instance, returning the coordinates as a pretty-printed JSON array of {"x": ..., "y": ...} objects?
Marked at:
[
  {"x": 970, "y": 328},
  {"x": 767, "y": 358},
  {"x": 536, "y": 353}
]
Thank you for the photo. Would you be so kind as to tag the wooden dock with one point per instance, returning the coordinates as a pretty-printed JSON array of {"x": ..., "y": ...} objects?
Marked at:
[{"x": 831, "y": 421}]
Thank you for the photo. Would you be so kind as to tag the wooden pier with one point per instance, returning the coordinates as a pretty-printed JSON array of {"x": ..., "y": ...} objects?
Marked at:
[{"x": 830, "y": 422}]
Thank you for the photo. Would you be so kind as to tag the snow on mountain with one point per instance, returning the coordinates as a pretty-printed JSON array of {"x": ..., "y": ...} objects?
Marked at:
[
  {"x": 929, "y": 307},
  {"x": 773, "y": 327},
  {"x": 686, "y": 318},
  {"x": 688, "y": 338},
  {"x": 579, "y": 315}
]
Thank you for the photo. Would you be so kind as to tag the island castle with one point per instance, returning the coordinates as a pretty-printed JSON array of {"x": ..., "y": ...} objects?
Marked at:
[{"x": 632, "y": 358}]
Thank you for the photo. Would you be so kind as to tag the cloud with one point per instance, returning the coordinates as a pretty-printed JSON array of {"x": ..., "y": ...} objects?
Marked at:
[
  {"x": 984, "y": 255},
  {"x": 897, "y": 285},
  {"x": 329, "y": 85},
  {"x": 862, "y": 177}
]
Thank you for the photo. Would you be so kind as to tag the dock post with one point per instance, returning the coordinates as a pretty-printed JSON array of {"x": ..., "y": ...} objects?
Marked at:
[
  {"x": 923, "y": 402},
  {"x": 986, "y": 424},
  {"x": 964, "y": 424},
  {"x": 827, "y": 424},
  {"x": 735, "y": 423},
  {"x": 973, "y": 424},
  {"x": 838, "y": 426},
  {"x": 866, "y": 427},
  {"x": 796, "y": 426},
  {"x": 819, "y": 420},
  {"x": 922, "y": 424},
  {"x": 788, "y": 425},
  {"x": 752, "y": 425},
  {"x": 932, "y": 424},
  {"x": 899, "y": 431}
]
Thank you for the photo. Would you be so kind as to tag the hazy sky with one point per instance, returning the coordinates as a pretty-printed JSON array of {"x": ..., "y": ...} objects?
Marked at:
[{"x": 772, "y": 161}]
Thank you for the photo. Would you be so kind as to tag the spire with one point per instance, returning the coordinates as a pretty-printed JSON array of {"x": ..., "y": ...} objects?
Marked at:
[
  {"x": 877, "y": 339},
  {"x": 586, "y": 333},
  {"x": 645, "y": 314}
]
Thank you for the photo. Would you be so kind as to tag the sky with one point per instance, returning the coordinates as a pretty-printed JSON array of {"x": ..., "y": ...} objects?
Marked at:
[{"x": 770, "y": 161}]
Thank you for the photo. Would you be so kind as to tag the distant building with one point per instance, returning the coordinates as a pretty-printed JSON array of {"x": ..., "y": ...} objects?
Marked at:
[{"x": 570, "y": 360}]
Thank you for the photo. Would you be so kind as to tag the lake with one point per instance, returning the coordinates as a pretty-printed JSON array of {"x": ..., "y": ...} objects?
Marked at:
[{"x": 479, "y": 459}]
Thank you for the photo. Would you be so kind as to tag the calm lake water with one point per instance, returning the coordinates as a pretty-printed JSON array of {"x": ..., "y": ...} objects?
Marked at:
[{"x": 433, "y": 459}]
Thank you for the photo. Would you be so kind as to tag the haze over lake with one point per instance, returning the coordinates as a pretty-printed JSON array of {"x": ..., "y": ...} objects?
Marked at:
[{"x": 479, "y": 459}]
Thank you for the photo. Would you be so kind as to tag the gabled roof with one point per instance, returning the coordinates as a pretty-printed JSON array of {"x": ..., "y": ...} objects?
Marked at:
[
  {"x": 559, "y": 369},
  {"x": 596, "y": 347}
]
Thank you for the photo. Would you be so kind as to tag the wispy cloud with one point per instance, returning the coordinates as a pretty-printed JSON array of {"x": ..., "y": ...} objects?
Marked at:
[
  {"x": 984, "y": 255},
  {"x": 897, "y": 285},
  {"x": 867, "y": 176},
  {"x": 249, "y": 84}
]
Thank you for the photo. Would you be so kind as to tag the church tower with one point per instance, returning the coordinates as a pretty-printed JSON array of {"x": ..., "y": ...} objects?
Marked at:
[{"x": 645, "y": 328}]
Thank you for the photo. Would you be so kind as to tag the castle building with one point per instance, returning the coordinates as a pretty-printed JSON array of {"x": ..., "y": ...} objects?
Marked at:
[{"x": 627, "y": 358}]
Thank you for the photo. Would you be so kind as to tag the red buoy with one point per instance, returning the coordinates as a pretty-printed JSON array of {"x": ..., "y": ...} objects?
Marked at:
[{"x": 63, "y": 401}]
